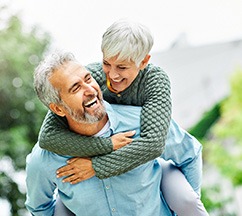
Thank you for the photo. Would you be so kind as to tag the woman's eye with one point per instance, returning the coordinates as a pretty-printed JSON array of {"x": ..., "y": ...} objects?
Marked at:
[
  {"x": 122, "y": 68},
  {"x": 105, "y": 63}
]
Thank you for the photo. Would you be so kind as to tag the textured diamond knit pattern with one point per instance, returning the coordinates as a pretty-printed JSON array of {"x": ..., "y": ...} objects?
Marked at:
[
  {"x": 151, "y": 90},
  {"x": 55, "y": 136}
]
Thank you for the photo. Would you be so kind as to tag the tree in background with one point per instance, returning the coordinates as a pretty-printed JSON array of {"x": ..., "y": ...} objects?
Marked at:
[
  {"x": 21, "y": 112},
  {"x": 227, "y": 141},
  {"x": 220, "y": 132},
  {"x": 224, "y": 148}
]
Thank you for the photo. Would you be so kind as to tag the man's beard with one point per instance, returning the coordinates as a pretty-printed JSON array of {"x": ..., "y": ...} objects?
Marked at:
[{"x": 84, "y": 117}]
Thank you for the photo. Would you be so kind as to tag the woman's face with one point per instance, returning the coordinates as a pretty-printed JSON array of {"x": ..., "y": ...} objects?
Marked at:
[{"x": 121, "y": 73}]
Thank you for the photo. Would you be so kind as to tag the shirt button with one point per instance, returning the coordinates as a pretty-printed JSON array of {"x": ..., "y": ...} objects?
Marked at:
[
  {"x": 113, "y": 209},
  {"x": 119, "y": 95},
  {"x": 107, "y": 187}
]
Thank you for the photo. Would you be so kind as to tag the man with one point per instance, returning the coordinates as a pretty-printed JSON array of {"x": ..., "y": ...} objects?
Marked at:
[{"x": 69, "y": 90}]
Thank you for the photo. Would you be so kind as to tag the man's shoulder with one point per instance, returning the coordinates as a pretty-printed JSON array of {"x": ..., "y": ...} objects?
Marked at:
[
  {"x": 34, "y": 158},
  {"x": 40, "y": 157},
  {"x": 122, "y": 109},
  {"x": 124, "y": 117}
]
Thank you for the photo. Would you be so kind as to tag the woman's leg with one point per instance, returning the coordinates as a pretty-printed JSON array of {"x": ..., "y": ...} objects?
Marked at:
[
  {"x": 61, "y": 210},
  {"x": 178, "y": 193}
]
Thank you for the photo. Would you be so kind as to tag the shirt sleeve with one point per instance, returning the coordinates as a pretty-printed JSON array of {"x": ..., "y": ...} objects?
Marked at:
[
  {"x": 186, "y": 153},
  {"x": 155, "y": 120},
  {"x": 40, "y": 191}
]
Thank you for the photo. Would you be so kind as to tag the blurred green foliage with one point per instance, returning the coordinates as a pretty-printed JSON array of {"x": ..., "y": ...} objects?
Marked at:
[
  {"x": 21, "y": 112},
  {"x": 212, "y": 200},
  {"x": 225, "y": 149},
  {"x": 220, "y": 132},
  {"x": 201, "y": 129}
]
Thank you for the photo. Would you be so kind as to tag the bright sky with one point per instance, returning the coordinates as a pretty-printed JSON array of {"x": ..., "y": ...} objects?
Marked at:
[{"x": 78, "y": 25}]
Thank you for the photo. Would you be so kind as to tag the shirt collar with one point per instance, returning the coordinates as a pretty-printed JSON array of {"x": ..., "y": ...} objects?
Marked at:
[{"x": 111, "y": 117}]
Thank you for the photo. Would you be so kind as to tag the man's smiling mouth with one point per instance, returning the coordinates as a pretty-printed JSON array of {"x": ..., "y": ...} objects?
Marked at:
[{"x": 91, "y": 103}]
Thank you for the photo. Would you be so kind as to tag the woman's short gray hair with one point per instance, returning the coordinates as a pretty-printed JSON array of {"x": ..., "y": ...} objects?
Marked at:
[
  {"x": 44, "y": 89},
  {"x": 129, "y": 40}
]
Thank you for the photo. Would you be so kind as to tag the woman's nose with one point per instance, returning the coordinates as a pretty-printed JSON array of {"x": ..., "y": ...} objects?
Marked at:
[{"x": 113, "y": 74}]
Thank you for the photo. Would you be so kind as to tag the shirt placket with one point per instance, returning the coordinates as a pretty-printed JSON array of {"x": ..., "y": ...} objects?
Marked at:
[{"x": 110, "y": 197}]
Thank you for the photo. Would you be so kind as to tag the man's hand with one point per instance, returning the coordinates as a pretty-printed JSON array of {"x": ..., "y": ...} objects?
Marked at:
[
  {"x": 76, "y": 170},
  {"x": 122, "y": 139}
]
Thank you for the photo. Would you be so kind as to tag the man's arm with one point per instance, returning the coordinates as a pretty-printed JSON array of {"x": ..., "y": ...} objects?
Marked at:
[
  {"x": 186, "y": 153},
  {"x": 40, "y": 200}
]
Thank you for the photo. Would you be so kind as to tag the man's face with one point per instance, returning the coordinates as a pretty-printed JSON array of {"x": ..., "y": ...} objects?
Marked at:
[{"x": 80, "y": 94}]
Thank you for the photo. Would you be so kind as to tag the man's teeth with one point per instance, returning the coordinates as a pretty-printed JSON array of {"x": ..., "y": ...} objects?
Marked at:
[{"x": 91, "y": 103}]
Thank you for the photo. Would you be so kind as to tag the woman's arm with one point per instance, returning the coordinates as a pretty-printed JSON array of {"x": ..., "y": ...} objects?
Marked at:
[
  {"x": 155, "y": 120},
  {"x": 56, "y": 137}
]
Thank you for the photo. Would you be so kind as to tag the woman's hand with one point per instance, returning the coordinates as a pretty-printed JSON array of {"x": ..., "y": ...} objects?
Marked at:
[
  {"x": 122, "y": 139},
  {"x": 76, "y": 170}
]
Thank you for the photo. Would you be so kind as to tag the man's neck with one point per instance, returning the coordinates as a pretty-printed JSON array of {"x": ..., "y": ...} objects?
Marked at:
[{"x": 87, "y": 129}]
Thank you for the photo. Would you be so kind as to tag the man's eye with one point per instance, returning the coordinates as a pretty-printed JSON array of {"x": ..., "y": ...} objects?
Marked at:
[
  {"x": 89, "y": 79},
  {"x": 75, "y": 89}
]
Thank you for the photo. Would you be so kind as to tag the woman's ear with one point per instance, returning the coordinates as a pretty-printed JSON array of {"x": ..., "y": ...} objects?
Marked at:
[
  {"x": 145, "y": 61},
  {"x": 58, "y": 110}
]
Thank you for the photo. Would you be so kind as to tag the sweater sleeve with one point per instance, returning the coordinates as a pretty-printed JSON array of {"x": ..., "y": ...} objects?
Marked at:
[
  {"x": 56, "y": 137},
  {"x": 155, "y": 120}
]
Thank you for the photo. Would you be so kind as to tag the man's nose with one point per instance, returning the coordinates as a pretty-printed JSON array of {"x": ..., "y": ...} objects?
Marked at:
[{"x": 89, "y": 90}]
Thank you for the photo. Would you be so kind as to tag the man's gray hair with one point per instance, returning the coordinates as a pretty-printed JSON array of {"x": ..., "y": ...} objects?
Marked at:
[
  {"x": 44, "y": 89},
  {"x": 129, "y": 40}
]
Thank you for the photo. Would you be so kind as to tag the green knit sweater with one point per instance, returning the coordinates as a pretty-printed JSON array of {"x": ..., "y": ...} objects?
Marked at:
[{"x": 151, "y": 90}]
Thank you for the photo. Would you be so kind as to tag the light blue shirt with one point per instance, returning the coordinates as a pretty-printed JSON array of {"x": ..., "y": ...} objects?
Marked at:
[{"x": 135, "y": 193}]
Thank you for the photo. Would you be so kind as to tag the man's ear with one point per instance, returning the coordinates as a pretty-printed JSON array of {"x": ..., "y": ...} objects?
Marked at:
[
  {"x": 144, "y": 62},
  {"x": 58, "y": 110}
]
